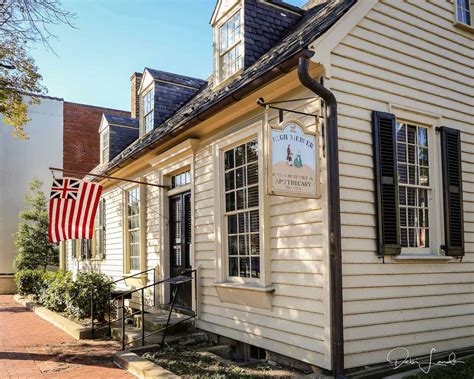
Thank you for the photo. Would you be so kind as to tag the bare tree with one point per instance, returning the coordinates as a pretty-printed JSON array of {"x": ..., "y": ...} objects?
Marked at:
[
  {"x": 24, "y": 22},
  {"x": 30, "y": 20}
]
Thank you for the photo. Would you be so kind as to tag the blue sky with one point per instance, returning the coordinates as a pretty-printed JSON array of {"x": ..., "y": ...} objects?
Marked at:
[{"x": 114, "y": 38}]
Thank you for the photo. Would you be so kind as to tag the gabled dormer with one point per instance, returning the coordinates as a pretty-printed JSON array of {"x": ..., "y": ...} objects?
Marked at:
[
  {"x": 244, "y": 30},
  {"x": 161, "y": 94},
  {"x": 116, "y": 133}
]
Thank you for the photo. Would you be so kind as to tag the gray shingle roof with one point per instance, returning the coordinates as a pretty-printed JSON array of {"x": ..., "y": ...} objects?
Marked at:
[
  {"x": 121, "y": 120},
  {"x": 314, "y": 23},
  {"x": 176, "y": 78}
]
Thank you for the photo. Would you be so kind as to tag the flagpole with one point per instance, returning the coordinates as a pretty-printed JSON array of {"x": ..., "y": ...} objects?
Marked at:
[{"x": 108, "y": 177}]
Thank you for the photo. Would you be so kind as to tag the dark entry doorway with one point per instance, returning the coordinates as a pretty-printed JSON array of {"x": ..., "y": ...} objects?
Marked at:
[{"x": 180, "y": 243}]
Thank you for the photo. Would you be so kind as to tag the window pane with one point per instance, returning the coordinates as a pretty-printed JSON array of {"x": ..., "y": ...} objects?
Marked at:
[
  {"x": 135, "y": 263},
  {"x": 402, "y": 153},
  {"x": 411, "y": 154},
  {"x": 255, "y": 267},
  {"x": 252, "y": 151},
  {"x": 254, "y": 222},
  {"x": 233, "y": 248},
  {"x": 253, "y": 197},
  {"x": 232, "y": 224},
  {"x": 411, "y": 195},
  {"x": 402, "y": 173},
  {"x": 244, "y": 267},
  {"x": 252, "y": 174},
  {"x": 424, "y": 176},
  {"x": 411, "y": 134},
  {"x": 233, "y": 266},
  {"x": 241, "y": 197},
  {"x": 230, "y": 202},
  {"x": 239, "y": 177},
  {"x": 240, "y": 155},
  {"x": 402, "y": 195},
  {"x": 229, "y": 159},
  {"x": 243, "y": 228},
  {"x": 412, "y": 175},
  {"x": 243, "y": 248},
  {"x": 229, "y": 180},
  {"x": 401, "y": 132},
  {"x": 423, "y": 136},
  {"x": 254, "y": 244}
]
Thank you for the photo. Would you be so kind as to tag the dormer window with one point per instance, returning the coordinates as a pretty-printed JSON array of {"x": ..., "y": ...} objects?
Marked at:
[
  {"x": 104, "y": 146},
  {"x": 148, "y": 103},
  {"x": 230, "y": 47}
]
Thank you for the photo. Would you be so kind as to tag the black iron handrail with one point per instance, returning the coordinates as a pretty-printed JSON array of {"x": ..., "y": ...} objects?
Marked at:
[
  {"x": 109, "y": 286},
  {"x": 142, "y": 309}
]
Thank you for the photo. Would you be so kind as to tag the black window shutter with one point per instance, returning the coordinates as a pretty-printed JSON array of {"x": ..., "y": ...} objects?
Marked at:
[
  {"x": 452, "y": 191},
  {"x": 386, "y": 183}
]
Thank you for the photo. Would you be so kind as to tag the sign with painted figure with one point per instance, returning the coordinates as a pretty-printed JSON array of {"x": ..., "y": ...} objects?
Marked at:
[{"x": 294, "y": 166}]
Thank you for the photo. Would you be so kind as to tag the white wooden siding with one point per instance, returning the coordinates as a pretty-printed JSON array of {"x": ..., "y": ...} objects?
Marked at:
[
  {"x": 297, "y": 324},
  {"x": 409, "y": 54}
]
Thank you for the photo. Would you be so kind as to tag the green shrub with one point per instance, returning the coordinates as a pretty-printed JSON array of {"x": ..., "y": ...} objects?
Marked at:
[
  {"x": 29, "y": 282},
  {"x": 57, "y": 291},
  {"x": 79, "y": 303}
]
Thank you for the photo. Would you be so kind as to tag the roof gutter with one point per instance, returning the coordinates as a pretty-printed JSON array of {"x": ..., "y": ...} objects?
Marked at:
[
  {"x": 333, "y": 201},
  {"x": 281, "y": 69}
]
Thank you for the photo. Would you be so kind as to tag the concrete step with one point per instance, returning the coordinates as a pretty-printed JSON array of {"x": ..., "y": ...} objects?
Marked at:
[
  {"x": 133, "y": 336},
  {"x": 157, "y": 321}
]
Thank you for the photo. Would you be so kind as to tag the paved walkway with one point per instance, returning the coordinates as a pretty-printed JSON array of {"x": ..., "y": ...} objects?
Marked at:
[{"x": 33, "y": 348}]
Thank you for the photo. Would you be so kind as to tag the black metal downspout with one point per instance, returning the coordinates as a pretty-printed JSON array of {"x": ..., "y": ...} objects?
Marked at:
[{"x": 333, "y": 201}]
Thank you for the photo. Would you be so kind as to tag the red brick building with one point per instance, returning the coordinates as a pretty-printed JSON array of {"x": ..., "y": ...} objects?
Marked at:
[{"x": 81, "y": 143}]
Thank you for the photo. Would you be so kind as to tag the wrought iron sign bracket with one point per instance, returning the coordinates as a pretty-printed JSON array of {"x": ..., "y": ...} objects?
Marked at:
[{"x": 262, "y": 103}]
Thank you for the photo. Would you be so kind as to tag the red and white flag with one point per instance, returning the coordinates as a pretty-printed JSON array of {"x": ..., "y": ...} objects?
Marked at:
[{"x": 72, "y": 207}]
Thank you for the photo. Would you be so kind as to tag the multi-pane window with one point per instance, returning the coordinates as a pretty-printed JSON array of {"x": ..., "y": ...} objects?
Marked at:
[
  {"x": 463, "y": 11},
  {"x": 414, "y": 185},
  {"x": 86, "y": 249},
  {"x": 181, "y": 179},
  {"x": 105, "y": 146},
  {"x": 242, "y": 210},
  {"x": 99, "y": 238},
  {"x": 230, "y": 47},
  {"x": 148, "y": 104},
  {"x": 133, "y": 227}
]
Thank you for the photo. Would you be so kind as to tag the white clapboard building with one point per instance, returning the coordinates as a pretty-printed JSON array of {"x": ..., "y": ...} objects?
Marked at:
[{"x": 284, "y": 263}]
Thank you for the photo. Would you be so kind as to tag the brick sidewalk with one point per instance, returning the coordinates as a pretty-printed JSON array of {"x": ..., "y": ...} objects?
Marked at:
[{"x": 33, "y": 348}]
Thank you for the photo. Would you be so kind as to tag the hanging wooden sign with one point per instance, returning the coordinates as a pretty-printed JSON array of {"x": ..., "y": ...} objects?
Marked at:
[{"x": 293, "y": 168}]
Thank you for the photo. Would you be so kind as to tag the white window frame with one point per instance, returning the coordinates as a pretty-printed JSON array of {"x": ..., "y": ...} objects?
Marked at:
[
  {"x": 141, "y": 229},
  {"x": 99, "y": 231},
  {"x": 104, "y": 146},
  {"x": 238, "y": 44},
  {"x": 148, "y": 112},
  {"x": 255, "y": 131},
  {"x": 434, "y": 193},
  {"x": 462, "y": 24}
]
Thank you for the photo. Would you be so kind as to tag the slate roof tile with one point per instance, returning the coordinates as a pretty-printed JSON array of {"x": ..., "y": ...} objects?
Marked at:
[{"x": 121, "y": 120}]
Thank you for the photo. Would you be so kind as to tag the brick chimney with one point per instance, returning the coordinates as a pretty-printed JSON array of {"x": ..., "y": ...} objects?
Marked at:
[{"x": 135, "y": 81}]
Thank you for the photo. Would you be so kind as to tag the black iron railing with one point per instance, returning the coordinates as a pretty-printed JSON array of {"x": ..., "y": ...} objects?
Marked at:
[
  {"x": 177, "y": 281},
  {"x": 110, "y": 301}
]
